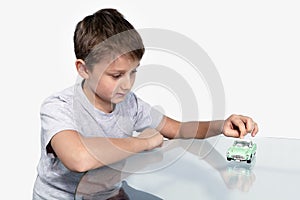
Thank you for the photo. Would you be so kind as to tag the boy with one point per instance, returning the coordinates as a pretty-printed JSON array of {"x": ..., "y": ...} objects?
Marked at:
[{"x": 90, "y": 125}]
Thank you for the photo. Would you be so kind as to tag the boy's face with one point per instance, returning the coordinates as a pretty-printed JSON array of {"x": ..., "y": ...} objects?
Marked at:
[{"x": 108, "y": 83}]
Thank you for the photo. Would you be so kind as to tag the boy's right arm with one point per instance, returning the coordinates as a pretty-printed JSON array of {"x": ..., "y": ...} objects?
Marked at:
[{"x": 81, "y": 154}]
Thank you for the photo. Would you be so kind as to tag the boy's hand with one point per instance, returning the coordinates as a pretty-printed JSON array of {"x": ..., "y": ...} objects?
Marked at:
[
  {"x": 153, "y": 137},
  {"x": 238, "y": 126}
]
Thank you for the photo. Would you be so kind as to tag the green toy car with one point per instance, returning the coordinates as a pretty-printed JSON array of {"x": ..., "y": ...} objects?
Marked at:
[{"x": 242, "y": 151}]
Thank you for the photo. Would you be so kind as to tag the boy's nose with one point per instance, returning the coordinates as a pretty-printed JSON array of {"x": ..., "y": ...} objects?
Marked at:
[{"x": 126, "y": 83}]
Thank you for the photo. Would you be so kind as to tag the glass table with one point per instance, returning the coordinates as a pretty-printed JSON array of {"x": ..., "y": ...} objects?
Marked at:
[{"x": 198, "y": 169}]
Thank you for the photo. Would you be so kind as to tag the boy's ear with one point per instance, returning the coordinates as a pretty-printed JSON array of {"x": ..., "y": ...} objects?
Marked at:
[{"x": 81, "y": 68}]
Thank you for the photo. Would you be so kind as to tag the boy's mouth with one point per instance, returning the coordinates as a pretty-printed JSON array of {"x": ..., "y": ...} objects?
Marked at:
[{"x": 119, "y": 94}]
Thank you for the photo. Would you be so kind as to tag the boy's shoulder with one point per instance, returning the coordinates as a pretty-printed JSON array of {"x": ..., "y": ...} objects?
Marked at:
[
  {"x": 134, "y": 102},
  {"x": 131, "y": 97},
  {"x": 65, "y": 95},
  {"x": 131, "y": 100}
]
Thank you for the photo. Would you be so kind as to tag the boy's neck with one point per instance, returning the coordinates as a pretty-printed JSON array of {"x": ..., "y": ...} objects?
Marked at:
[{"x": 106, "y": 107}]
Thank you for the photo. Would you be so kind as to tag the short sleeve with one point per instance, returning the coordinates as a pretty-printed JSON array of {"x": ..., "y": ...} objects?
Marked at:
[
  {"x": 146, "y": 115},
  {"x": 56, "y": 115}
]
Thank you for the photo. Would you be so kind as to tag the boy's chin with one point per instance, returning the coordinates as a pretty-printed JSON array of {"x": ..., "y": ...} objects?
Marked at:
[{"x": 116, "y": 100}]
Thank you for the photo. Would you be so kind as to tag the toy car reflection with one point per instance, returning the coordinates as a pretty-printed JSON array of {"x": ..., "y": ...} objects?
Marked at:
[{"x": 242, "y": 151}]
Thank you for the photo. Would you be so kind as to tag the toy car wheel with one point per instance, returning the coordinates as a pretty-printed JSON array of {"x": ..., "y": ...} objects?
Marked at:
[
  {"x": 249, "y": 161},
  {"x": 229, "y": 159}
]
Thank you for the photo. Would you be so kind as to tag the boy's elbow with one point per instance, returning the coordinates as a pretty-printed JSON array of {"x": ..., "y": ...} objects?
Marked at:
[
  {"x": 82, "y": 162},
  {"x": 77, "y": 167}
]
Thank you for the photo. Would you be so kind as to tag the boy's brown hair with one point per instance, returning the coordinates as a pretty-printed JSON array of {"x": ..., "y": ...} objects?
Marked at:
[{"x": 106, "y": 34}]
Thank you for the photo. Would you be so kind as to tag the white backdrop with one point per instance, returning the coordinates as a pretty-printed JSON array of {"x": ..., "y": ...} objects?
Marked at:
[{"x": 254, "y": 45}]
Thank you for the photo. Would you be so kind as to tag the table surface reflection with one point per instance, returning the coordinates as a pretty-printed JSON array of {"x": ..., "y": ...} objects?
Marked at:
[{"x": 194, "y": 169}]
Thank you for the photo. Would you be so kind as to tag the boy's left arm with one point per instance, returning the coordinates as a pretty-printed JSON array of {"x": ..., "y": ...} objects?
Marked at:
[{"x": 234, "y": 126}]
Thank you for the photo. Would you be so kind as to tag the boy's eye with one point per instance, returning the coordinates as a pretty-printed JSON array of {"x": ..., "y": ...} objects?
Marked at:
[
  {"x": 119, "y": 75},
  {"x": 116, "y": 76},
  {"x": 133, "y": 71}
]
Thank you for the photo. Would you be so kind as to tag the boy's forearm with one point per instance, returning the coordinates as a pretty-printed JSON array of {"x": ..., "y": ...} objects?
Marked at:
[
  {"x": 106, "y": 151},
  {"x": 201, "y": 130}
]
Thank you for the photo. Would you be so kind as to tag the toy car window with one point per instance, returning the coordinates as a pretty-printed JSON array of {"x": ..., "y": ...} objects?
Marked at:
[{"x": 241, "y": 144}]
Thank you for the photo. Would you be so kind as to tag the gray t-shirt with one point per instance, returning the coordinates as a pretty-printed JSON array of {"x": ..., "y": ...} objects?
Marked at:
[{"x": 71, "y": 110}]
